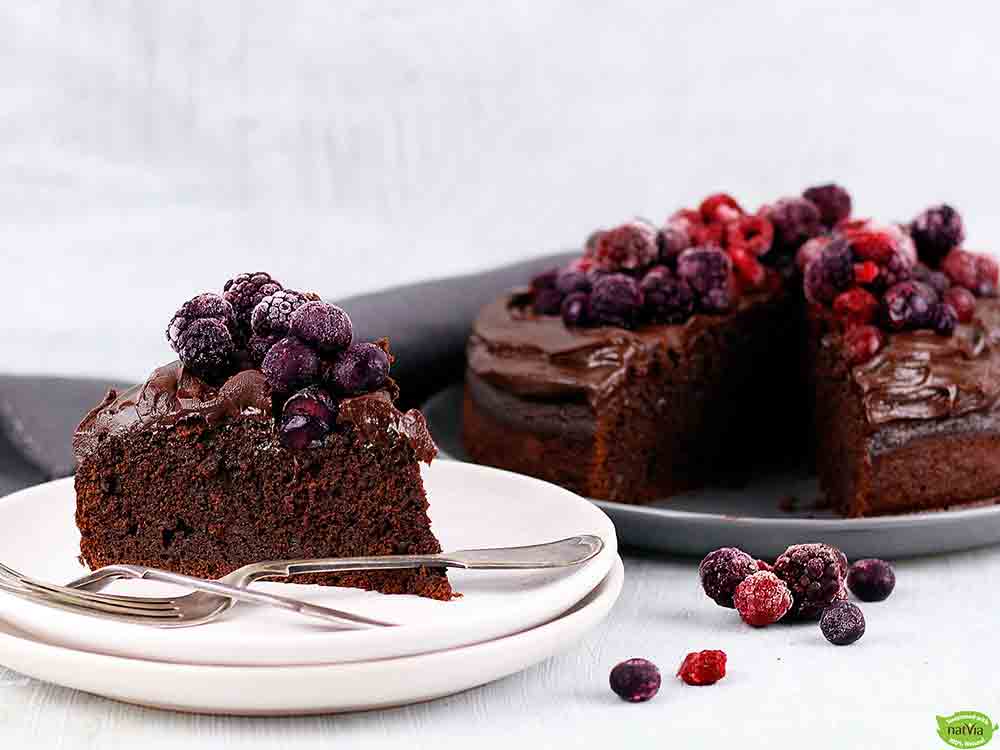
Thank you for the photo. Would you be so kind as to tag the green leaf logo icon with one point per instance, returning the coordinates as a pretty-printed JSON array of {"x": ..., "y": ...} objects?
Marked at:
[{"x": 966, "y": 729}]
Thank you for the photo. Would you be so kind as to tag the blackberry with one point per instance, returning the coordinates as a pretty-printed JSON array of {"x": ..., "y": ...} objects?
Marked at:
[
  {"x": 616, "y": 300},
  {"x": 290, "y": 365},
  {"x": 722, "y": 570},
  {"x": 307, "y": 417},
  {"x": 871, "y": 580},
  {"x": 815, "y": 575},
  {"x": 244, "y": 293},
  {"x": 908, "y": 306},
  {"x": 206, "y": 306},
  {"x": 833, "y": 202},
  {"x": 361, "y": 368},
  {"x": 666, "y": 299},
  {"x": 842, "y": 623},
  {"x": 708, "y": 271},
  {"x": 273, "y": 314},
  {"x": 671, "y": 241},
  {"x": 207, "y": 349},
  {"x": 575, "y": 309},
  {"x": 795, "y": 220},
  {"x": 830, "y": 273},
  {"x": 326, "y": 327},
  {"x": 629, "y": 247},
  {"x": 936, "y": 232}
]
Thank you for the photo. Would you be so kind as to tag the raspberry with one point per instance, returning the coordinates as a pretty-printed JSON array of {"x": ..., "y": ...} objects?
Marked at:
[
  {"x": 671, "y": 241},
  {"x": 719, "y": 207},
  {"x": 635, "y": 680},
  {"x": 205, "y": 306},
  {"x": 936, "y": 232},
  {"x": 963, "y": 301},
  {"x": 795, "y": 221},
  {"x": 810, "y": 251},
  {"x": 629, "y": 247},
  {"x": 326, "y": 327},
  {"x": 830, "y": 273},
  {"x": 569, "y": 281},
  {"x": 814, "y": 573},
  {"x": 666, "y": 299},
  {"x": 703, "y": 667},
  {"x": 748, "y": 268},
  {"x": 259, "y": 346},
  {"x": 753, "y": 233},
  {"x": 576, "y": 309},
  {"x": 855, "y": 307},
  {"x": 244, "y": 293},
  {"x": 865, "y": 273},
  {"x": 273, "y": 314},
  {"x": 361, "y": 368},
  {"x": 833, "y": 202},
  {"x": 307, "y": 417},
  {"x": 708, "y": 271},
  {"x": 616, "y": 300},
  {"x": 908, "y": 306},
  {"x": 765, "y": 565},
  {"x": 944, "y": 319},
  {"x": 842, "y": 623},
  {"x": 206, "y": 348},
  {"x": 547, "y": 301},
  {"x": 877, "y": 246},
  {"x": 976, "y": 272},
  {"x": 722, "y": 571},
  {"x": 871, "y": 579},
  {"x": 762, "y": 599},
  {"x": 936, "y": 280},
  {"x": 861, "y": 343},
  {"x": 290, "y": 365}
]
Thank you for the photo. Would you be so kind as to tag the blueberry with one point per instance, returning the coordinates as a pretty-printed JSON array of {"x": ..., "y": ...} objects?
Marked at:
[
  {"x": 206, "y": 348},
  {"x": 708, "y": 271},
  {"x": 842, "y": 623},
  {"x": 936, "y": 232},
  {"x": 944, "y": 319},
  {"x": 324, "y": 326},
  {"x": 307, "y": 416},
  {"x": 908, "y": 305},
  {"x": 615, "y": 301},
  {"x": 290, "y": 365},
  {"x": 833, "y": 202},
  {"x": 795, "y": 220},
  {"x": 871, "y": 579},
  {"x": 362, "y": 368},
  {"x": 635, "y": 680}
]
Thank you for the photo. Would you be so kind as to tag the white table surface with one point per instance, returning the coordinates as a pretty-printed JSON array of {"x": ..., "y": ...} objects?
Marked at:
[{"x": 149, "y": 150}]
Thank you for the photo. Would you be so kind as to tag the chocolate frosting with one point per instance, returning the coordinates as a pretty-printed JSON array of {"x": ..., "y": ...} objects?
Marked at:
[
  {"x": 920, "y": 375},
  {"x": 171, "y": 396}
]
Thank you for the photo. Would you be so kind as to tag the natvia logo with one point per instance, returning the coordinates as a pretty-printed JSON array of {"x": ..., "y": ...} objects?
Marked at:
[{"x": 966, "y": 729}]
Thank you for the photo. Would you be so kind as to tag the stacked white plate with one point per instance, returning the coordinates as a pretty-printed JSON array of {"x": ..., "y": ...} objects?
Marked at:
[{"x": 259, "y": 660}]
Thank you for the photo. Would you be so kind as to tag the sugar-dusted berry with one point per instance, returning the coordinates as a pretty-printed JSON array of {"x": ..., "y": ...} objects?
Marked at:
[
  {"x": 722, "y": 570},
  {"x": 361, "y": 368},
  {"x": 206, "y": 348},
  {"x": 795, "y": 220},
  {"x": 666, "y": 299},
  {"x": 842, "y": 623},
  {"x": 703, "y": 667},
  {"x": 708, "y": 271},
  {"x": 635, "y": 680},
  {"x": 855, "y": 307},
  {"x": 976, "y": 272},
  {"x": 324, "y": 326},
  {"x": 273, "y": 314},
  {"x": 833, "y": 202},
  {"x": 861, "y": 343},
  {"x": 244, "y": 292},
  {"x": 815, "y": 574},
  {"x": 290, "y": 365},
  {"x": 871, "y": 579},
  {"x": 908, "y": 305},
  {"x": 629, "y": 247},
  {"x": 615, "y": 300},
  {"x": 937, "y": 231},
  {"x": 830, "y": 273},
  {"x": 963, "y": 302},
  {"x": 762, "y": 599},
  {"x": 671, "y": 241}
]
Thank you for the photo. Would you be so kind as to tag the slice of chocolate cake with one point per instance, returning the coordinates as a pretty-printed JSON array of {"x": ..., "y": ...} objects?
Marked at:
[{"x": 274, "y": 437}]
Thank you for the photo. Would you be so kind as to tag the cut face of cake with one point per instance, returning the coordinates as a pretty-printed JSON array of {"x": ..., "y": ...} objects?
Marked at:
[{"x": 231, "y": 457}]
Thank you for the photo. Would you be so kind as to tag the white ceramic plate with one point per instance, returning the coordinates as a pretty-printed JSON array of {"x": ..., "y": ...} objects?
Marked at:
[
  {"x": 753, "y": 517},
  {"x": 307, "y": 689},
  {"x": 471, "y": 506}
]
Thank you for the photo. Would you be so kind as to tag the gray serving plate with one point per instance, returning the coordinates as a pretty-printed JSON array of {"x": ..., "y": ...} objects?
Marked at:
[{"x": 754, "y": 517}]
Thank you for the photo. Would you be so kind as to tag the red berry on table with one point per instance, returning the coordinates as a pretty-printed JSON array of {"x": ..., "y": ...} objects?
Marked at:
[
  {"x": 762, "y": 599},
  {"x": 635, "y": 680},
  {"x": 861, "y": 343},
  {"x": 963, "y": 301},
  {"x": 703, "y": 667}
]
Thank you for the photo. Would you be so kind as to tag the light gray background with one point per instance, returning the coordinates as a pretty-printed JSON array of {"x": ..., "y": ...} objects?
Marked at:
[{"x": 149, "y": 150}]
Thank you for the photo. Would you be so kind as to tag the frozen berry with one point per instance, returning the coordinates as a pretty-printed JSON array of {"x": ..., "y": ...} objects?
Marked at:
[
  {"x": 795, "y": 220},
  {"x": 764, "y": 565},
  {"x": 871, "y": 579},
  {"x": 569, "y": 281},
  {"x": 842, "y": 623},
  {"x": 671, "y": 241},
  {"x": 719, "y": 207},
  {"x": 974, "y": 271},
  {"x": 547, "y": 301},
  {"x": 244, "y": 293},
  {"x": 722, "y": 570},
  {"x": 908, "y": 306},
  {"x": 815, "y": 575},
  {"x": 575, "y": 309},
  {"x": 307, "y": 417},
  {"x": 206, "y": 348},
  {"x": 635, "y": 680},
  {"x": 290, "y": 365},
  {"x": 833, "y": 202},
  {"x": 629, "y": 247},
  {"x": 362, "y": 368},
  {"x": 936, "y": 232},
  {"x": 708, "y": 271},
  {"x": 324, "y": 326},
  {"x": 753, "y": 233},
  {"x": 762, "y": 599},
  {"x": 963, "y": 301},
  {"x": 810, "y": 251},
  {"x": 936, "y": 280},
  {"x": 855, "y": 307},
  {"x": 703, "y": 667},
  {"x": 584, "y": 264},
  {"x": 204, "y": 306},
  {"x": 748, "y": 269},
  {"x": 616, "y": 300},
  {"x": 830, "y": 273},
  {"x": 866, "y": 272},
  {"x": 259, "y": 346},
  {"x": 944, "y": 319},
  {"x": 666, "y": 299},
  {"x": 546, "y": 279},
  {"x": 273, "y": 314},
  {"x": 861, "y": 343}
]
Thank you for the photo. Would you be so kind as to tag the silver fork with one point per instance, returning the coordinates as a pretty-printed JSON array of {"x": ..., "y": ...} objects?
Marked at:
[{"x": 211, "y": 599}]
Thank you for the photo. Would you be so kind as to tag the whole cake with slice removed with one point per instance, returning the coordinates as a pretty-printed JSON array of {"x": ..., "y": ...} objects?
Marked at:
[{"x": 274, "y": 436}]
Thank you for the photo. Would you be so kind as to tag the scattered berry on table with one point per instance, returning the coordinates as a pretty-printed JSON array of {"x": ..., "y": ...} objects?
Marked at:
[
  {"x": 616, "y": 300},
  {"x": 273, "y": 314},
  {"x": 963, "y": 301},
  {"x": 976, "y": 272},
  {"x": 762, "y": 599},
  {"x": 362, "y": 368},
  {"x": 795, "y": 220},
  {"x": 708, "y": 271},
  {"x": 290, "y": 365},
  {"x": 703, "y": 667},
  {"x": 908, "y": 305},
  {"x": 244, "y": 293},
  {"x": 722, "y": 570},
  {"x": 635, "y": 680},
  {"x": 307, "y": 416},
  {"x": 833, "y": 202},
  {"x": 666, "y": 299},
  {"x": 871, "y": 579},
  {"x": 814, "y": 573},
  {"x": 322, "y": 325},
  {"x": 936, "y": 232},
  {"x": 842, "y": 623},
  {"x": 206, "y": 348},
  {"x": 628, "y": 247},
  {"x": 575, "y": 309}
]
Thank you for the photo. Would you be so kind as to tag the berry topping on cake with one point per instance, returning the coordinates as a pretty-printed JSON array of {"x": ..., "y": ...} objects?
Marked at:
[
  {"x": 708, "y": 271},
  {"x": 671, "y": 241},
  {"x": 570, "y": 280},
  {"x": 575, "y": 309},
  {"x": 720, "y": 207},
  {"x": 861, "y": 343},
  {"x": 842, "y": 623},
  {"x": 244, "y": 293},
  {"x": 666, "y": 298},
  {"x": 722, "y": 571},
  {"x": 830, "y": 273},
  {"x": 635, "y": 680},
  {"x": 273, "y": 314},
  {"x": 616, "y": 300},
  {"x": 362, "y": 368},
  {"x": 871, "y": 579},
  {"x": 944, "y": 319},
  {"x": 833, "y": 202},
  {"x": 546, "y": 279},
  {"x": 307, "y": 417},
  {"x": 322, "y": 325},
  {"x": 855, "y": 307},
  {"x": 206, "y": 348},
  {"x": 762, "y": 599},
  {"x": 259, "y": 346},
  {"x": 290, "y": 365},
  {"x": 795, "y": 220},
  {"x": 936, "y": 232},
  {"x": 963, "y": 302},
  {"x": 629, "y": 247},
  {"x": 703, "y": 667},
  {"x": 815, "y": 575},
  {"x": 976, "y": 272},
  {"x": 810, "y": 251},
  {"x": 752, "y": 233},
  {"x": 206, "y": 306},
  {"x": 547, "y": 301},
  {"x": 908, "y": 306},
  {"x": 936, "y": 280}
]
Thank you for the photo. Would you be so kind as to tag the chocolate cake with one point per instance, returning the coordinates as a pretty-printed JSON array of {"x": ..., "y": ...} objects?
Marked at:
[
  {"x": 664, "y": 359},
  {"x": 239, "y": 453}
]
